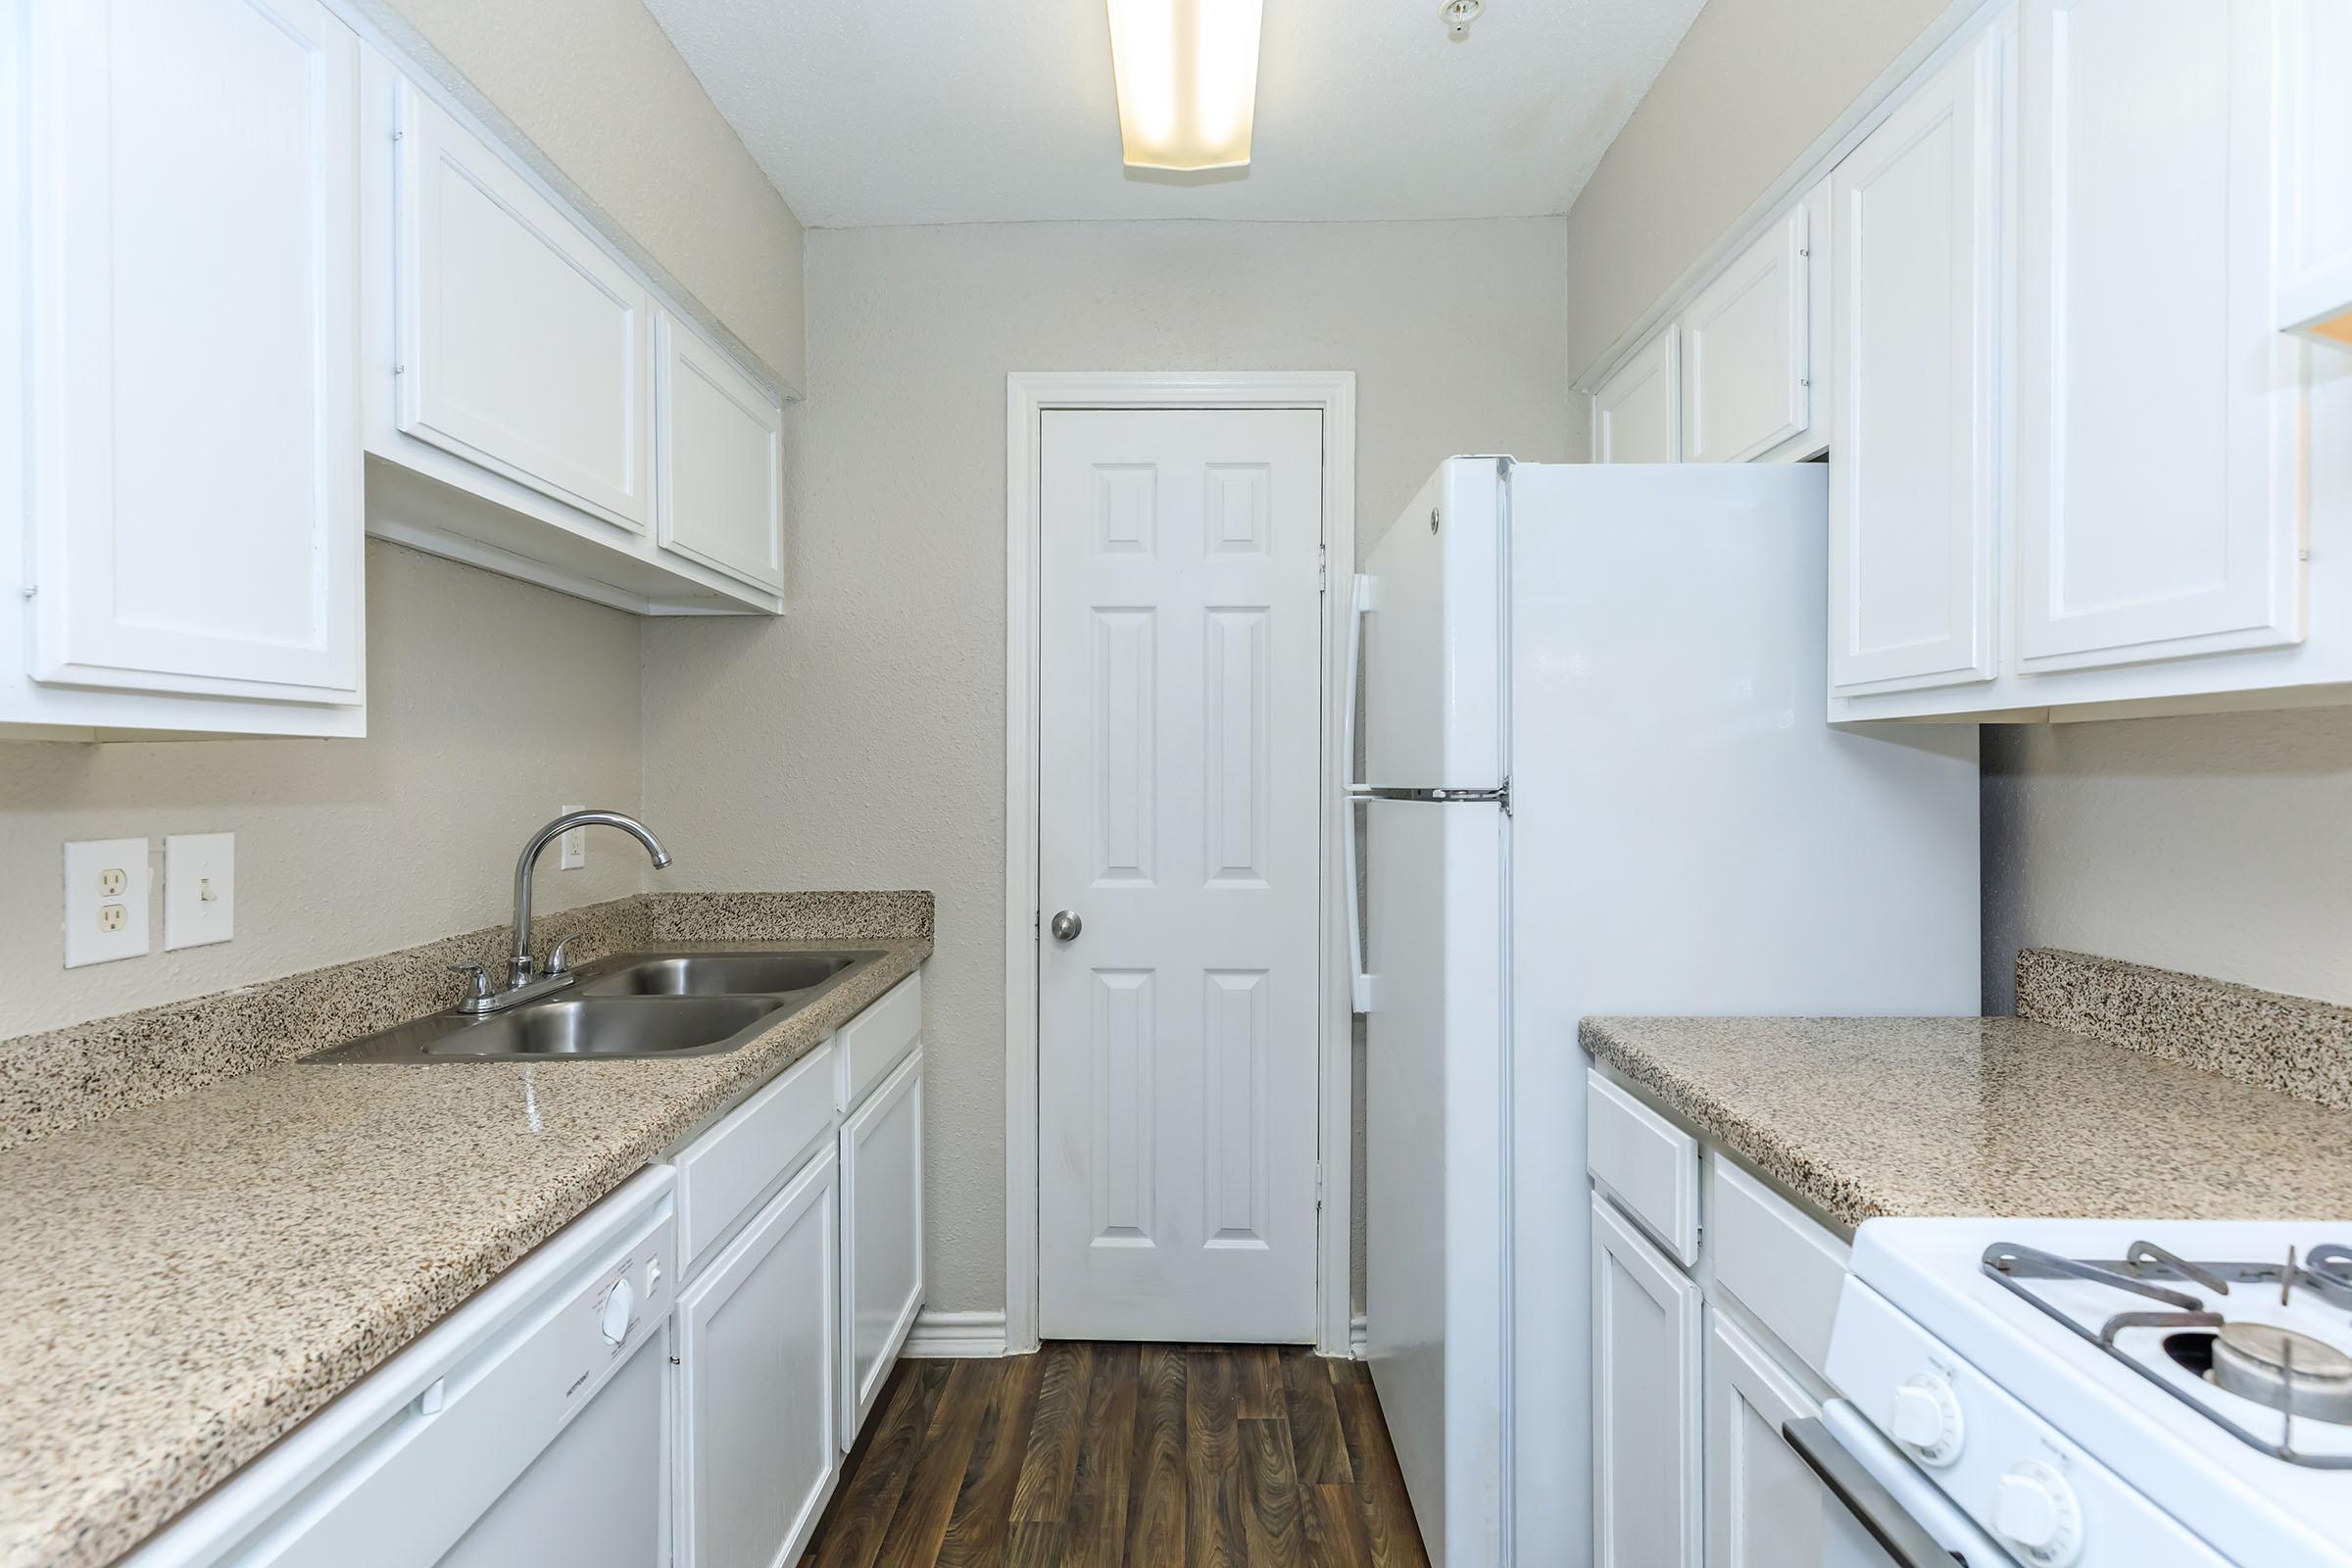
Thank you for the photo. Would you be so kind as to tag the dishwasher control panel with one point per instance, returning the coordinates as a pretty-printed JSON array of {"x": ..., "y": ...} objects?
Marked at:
[{"x": 609, "y": 1317}]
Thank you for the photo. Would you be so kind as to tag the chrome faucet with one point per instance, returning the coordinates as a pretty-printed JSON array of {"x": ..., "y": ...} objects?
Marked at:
[{"x": 523, "y": 978}]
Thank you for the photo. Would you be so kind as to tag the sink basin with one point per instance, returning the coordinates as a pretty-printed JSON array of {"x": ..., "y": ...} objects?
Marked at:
[
  {"x": 639, "y": 1004},
  {"x": 572, "y": 1026},
  {"x": 715, "y": 974}
]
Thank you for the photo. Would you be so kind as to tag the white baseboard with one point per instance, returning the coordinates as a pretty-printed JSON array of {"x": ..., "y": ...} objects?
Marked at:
[{"x": 954, "y": 1336}]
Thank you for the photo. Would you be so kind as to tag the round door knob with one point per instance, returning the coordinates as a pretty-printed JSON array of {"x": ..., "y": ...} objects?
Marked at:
[
  {"x": 1927, "y": 1418},
  {"x": 1066, "y": 926},
  {"x": 2037, "y": 1512},
  {"x": 619, "y": 1302}
]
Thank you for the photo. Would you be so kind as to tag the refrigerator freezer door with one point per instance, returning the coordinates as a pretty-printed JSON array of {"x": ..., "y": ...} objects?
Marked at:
[
  {"x": 1433, "y": 637},
  {"x": 1435, "y": 1161}
]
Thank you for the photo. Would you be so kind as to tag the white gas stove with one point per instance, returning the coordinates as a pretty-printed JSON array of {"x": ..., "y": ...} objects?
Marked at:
[{"x": 2098, "y": 1392}]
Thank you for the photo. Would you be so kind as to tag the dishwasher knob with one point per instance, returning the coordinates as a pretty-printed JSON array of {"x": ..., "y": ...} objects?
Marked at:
[
  {"x": 2037, "y": 1510},
  {"x": 1926, "y": 1419},
  {"x": 618, "y": 1302}
]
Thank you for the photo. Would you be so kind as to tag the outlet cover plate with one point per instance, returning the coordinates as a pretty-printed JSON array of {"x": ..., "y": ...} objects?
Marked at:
[
  {"x": 571, "y": 849},
  {"x": 106, "y": 885},
  {"x": 200, "y": 889}
]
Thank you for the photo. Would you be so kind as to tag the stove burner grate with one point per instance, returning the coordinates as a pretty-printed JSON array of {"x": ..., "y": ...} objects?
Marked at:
[{"x": 2292, "y": 1373}]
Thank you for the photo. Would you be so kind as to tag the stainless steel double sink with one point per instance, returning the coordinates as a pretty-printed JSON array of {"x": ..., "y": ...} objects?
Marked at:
[{"x": 634, "y": 1004}]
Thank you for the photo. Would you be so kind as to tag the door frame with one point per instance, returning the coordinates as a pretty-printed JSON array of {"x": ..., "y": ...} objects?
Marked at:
[{"x": 1028, "y": 396}]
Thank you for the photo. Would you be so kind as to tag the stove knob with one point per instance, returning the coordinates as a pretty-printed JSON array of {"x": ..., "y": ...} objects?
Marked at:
[
  {"x": 2037, "y": 1510},
  {"x": 619, "y": 1302},
  {"x": 1927, "y": 1418}
]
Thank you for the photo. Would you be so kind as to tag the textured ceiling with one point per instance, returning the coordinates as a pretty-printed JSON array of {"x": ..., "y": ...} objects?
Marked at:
[{"x": 984, "y": 111}]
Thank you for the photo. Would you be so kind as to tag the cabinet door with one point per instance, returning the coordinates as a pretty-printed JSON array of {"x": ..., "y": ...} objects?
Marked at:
[
  {"x": 523, "y": 344},
  {"x": 1637, "y": 417},
  {"x": 196, "y": 463},
  {"x": 1746, "y": 380},
  {"x": 1646, "y": 1415},
  {"x": 2159, "y": 509},
  {"x": 1764, "y": 1507},
  {"x": 882, "y": 1236},
  {"x": 718, "y": 459},
  {"x": 758, "y": 1340},
  {"x": 1914, "y": 486}
]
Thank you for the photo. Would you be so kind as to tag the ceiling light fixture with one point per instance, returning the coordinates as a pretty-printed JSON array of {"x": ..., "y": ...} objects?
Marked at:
[{"x": 1187, "y": 75}]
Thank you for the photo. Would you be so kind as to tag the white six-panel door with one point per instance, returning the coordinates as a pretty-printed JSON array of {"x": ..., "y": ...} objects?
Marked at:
[{"x": 1179, "y": 728}]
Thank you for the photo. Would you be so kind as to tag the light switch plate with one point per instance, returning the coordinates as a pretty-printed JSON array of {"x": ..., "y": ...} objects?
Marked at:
[
  {"x": 200, "y": 889},
  {"x": 571, "y": 850},
  {"x": 106, "y": 901}
]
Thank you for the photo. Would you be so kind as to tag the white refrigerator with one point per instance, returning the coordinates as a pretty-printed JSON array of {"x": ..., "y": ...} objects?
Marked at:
[{"x": 1597, "y": 777}]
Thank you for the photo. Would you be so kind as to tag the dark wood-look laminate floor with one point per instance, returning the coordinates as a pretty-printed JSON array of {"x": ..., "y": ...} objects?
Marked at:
[{"x": 1092, "y": 1455}]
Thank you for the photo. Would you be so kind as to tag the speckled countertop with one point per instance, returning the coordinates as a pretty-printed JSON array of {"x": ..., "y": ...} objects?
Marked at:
[
  {"x": 188, "y": 1280},
  {"x": 1862, "y": 1118}
]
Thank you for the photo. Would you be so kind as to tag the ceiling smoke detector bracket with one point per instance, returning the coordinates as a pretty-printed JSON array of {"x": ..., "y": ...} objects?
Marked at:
[{"x": 1459, "y": 14}]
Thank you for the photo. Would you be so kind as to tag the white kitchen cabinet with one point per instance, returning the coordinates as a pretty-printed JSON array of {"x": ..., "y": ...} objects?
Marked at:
[
  {"x": 179, "y": 284},
  {"x": 882, "y": 1235},
  {"x": 718, "y": 459},
  {"x": 1747, "y": 374},
  {"x": 759, "y": 1342},
  {"x": 531, "y": 405},
  {"x": 1645, "y": 1402},
  {"x": 2159, "y": 503},
  {"x": 523, "y": 344},
  {"x": 1636, "y": 415},
  {"x": 2315, "y": 221},
  {"x": 1765, "y": 1508},
  {"x": 1915, "y": 491}
]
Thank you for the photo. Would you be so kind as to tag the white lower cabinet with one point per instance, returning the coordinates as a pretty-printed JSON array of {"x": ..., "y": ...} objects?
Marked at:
[
  {"x": 758, "y": 1342},
  {"x": 1765, "y": 1509},
  {"x": 882, "y": 1236},
  {"x": 1645, "y": 1402},
  {"x": 1696, "y": 1373}
]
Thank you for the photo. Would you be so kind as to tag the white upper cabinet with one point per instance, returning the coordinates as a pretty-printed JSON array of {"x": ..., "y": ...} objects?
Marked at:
[
  {"x": 718, "y": 459},
  {"x": 523, "y": 344},
  {"x": 1636, "y": 415},
  {"x": 2159, "y": 503},
  {"x": 2315, "y": 243},
  {"x": 1746, "y": 373},
  {"x": 191, "y": 524},
  {"x": 536, "y": 406},
  {"x": 1914, "y": 486}
]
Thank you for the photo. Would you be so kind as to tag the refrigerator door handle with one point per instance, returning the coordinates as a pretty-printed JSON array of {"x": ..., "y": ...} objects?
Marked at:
[
  {"x": 1360, "y": 984},
  {"x": 1363, "y": 597}
]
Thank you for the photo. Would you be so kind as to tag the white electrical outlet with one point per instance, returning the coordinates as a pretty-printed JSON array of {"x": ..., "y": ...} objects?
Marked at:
[
  {"x": 571, "y": 849},
  {"x": 106, "y": 901},
  {"x": 200, "y": 889}
]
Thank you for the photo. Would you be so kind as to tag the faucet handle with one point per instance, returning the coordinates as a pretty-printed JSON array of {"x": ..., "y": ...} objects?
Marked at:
[
  {"x": 559, "y": 956},
  {"x": 477, "y": 987}
]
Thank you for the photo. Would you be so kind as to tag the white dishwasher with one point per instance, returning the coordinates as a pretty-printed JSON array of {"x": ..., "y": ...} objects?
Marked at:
[{"x": 529, "y": 1426}]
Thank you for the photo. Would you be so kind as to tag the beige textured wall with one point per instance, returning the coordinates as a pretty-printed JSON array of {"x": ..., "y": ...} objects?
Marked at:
[
  {"x": 859, "y": 742},
  {"x": 627, "y": 131},
  {"x": 2220, "y": 844},
  {"x": 490, "y": 704},
  {"x": 1750, "y": 87}
]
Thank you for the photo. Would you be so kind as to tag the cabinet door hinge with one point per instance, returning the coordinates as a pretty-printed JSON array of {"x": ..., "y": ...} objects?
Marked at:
[
  {"x": 1318, "y": 1184},
  {"x": 1322, "y": 568}
]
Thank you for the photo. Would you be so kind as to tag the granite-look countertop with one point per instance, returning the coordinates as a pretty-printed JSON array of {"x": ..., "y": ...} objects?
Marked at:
[
  {"x": 189, "y": 1280},
  {"x": 1861, "y": 1117}
]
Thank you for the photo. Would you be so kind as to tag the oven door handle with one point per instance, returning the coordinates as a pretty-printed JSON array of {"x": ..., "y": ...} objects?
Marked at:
[{"x": 1873, "y": 1506}]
